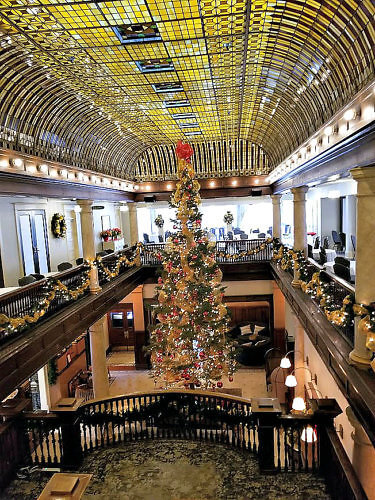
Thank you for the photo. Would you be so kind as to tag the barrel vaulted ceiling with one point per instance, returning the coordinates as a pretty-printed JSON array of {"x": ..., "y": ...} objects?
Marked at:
[{"x": 104, "y": 85}]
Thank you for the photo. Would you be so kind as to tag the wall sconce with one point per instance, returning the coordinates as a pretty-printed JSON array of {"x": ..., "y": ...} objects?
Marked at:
[
  {"x": 43, "y": 168},
  {"x": 16, "y": 162},
  {"x": 309, "y": 434},
  {"x": 299, "y": 404},
  {"x": 291, "y": 380}
]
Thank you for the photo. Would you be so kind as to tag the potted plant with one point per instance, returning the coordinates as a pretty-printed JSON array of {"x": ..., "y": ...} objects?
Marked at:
[
  {"x": 116, "y": 233},
  {"x": 228, "y": 219},
  {"x": 105, "y": 235}
]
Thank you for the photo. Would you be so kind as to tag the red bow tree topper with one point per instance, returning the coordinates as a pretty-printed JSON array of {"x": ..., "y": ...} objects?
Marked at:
[{"x": 184, "y": 151}]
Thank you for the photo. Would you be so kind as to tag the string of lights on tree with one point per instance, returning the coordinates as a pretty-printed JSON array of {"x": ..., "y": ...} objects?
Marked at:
[{"x": 188, "y": 345}]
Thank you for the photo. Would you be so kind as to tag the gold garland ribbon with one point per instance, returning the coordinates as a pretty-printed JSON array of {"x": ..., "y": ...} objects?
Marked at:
[{"x": 136, "y": 261}]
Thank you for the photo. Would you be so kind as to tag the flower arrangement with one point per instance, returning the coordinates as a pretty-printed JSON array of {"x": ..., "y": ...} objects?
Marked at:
[
  {"x": 116, "y": 232},
  {"x": 159, "y": 221},
  {"x": 58, "y": 226},
  {"x": 105, "y": 235},
  {"x": 228, "y": 217}
]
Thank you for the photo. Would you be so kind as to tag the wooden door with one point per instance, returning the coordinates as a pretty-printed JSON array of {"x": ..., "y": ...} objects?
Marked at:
[
  {"x": 32, "y": 228},
  {"x": 121, "y": 325}
]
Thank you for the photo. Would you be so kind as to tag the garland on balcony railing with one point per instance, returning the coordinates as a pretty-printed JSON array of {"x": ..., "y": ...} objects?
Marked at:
[
  {"x": 54, "y": 288},
  {"x": 223, "y": 254},
  {"x": 107, "y": 274},
  {"x": 338, "y": 314}
]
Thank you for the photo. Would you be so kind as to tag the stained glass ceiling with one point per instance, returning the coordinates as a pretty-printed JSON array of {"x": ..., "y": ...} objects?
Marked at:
[{"x": 98, "y": 83}]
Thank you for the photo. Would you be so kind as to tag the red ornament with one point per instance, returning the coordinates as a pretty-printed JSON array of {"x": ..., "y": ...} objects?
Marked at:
[
  {"x": 184, "y": 151},
  {"x": 202, "y": 355},
  {"x": 220, "y": 384},
  {"x": 220, "y": 353},
  {"x": 160, "y": 280},
  {"x": 175, "y": 240},
  {"x": 230, "y": 379},
  {"x": 220, "y": 367},
  {"x": 205, "y": 313}
]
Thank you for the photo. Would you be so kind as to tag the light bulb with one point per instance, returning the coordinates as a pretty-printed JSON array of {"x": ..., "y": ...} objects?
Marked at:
[
  {"x": 349, "y": 115},
  {"x": 285, "y": 363},
  {"x": 309, "y": 435},
  {"x": 298, "y": 404},
  {"x": 291, "y": 381}
]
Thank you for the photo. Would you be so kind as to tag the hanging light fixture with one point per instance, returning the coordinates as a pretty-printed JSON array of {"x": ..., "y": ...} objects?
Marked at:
[
  {"x": 298, "y": 404},
  {"x": 291, "y": 381},
  {"x": 309, "y": 435},
  {"x": 285, "y": 363}
]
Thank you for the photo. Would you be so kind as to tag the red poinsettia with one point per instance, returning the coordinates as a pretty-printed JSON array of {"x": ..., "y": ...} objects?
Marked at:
[{"x": 184, "y": 151}]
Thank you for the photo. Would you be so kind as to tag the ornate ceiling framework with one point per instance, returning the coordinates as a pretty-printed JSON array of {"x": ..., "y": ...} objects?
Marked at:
[{"x": 95, "y": 84}]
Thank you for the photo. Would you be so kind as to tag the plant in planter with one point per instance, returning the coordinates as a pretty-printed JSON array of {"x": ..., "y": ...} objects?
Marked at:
[
  {"x": 116, "y": 233},
  {"x": 105, "y": 235},
  {"x": 159, "y": 223}
]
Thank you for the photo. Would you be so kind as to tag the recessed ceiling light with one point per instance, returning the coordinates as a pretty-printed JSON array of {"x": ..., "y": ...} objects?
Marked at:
[
  {"x": 148, "y": 187},
  {"x": 234, "y": 182},
  {"x": 349, "y": 115},
  {"x": 169, "y": 186},
  {"x": 256, "y": 181},
  {"x": 212, "y": 184}
]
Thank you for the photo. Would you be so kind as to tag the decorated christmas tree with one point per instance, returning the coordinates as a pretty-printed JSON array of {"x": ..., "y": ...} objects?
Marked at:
[{"x": 188, "y": 344}]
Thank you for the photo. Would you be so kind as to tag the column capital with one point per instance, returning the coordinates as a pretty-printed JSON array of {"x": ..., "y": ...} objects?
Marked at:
[
  {"x": 276, "y": 198},
  {"x": 365, "y": 177},
  {"x": 86, "y": 205},
  {"x": 299, "y": 193}
]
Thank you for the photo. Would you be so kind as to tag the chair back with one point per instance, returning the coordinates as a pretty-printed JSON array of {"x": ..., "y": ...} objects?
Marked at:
[
  {"x": 221, "y": 232},
  {"x": 336, "y": 238},
  {"x": 38, "y": 276},
  {"x": 256, "y": 230},
  {"x": 270, "y": 231},
  {"x": 342, "y": 261},
  {"x": 236, "y": 230},
  {"x": 272, "y": 360},
  {"x": 167, "y": 234},
  {"x": 160, "y": 237},
  {"x": 26, "y": 280},
  {"x": 261, "y": 235},
  {"x": 316, "y": 243},
  {"x": 310, "y": 251},
  {"x": 63, "y": 266},
  {"x": 79, "y": 261},
  {"x": 354, "y": 241},
  {"x": 100, "y": 254},
  {"x": 342, "y": 271},
  {"x": 244, "y": 236},
  {"x": 343, "y": 239},
  {"x": 108, "y": 251},
  {"x": 322, "y": 256},
  {"x": 230, "y": 235},
  {"x": 325, "y": 242},
  {"x": 146, "y": 239}
]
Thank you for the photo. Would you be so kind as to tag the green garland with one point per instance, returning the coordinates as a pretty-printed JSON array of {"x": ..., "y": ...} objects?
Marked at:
[
  {"x": 52, "y": 371},
  {"x": 58, "y": 226}
]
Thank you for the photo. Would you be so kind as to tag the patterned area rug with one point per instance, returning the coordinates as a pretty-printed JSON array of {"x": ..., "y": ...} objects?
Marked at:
[{"x": 179, "y": 470}]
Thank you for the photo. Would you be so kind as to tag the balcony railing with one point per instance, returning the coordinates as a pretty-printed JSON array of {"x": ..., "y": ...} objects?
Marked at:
[{"x": 282, "y": 443}]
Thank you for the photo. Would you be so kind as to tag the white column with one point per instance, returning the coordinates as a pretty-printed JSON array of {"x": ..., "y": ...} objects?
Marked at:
[
  {"x": 45, "y": 398},
  {"x": 133, "y": 223},
  {"x": 299, "y": 218},
  {"x": 125, "y": 223},
  {"x": 88, "y": 241},
  {"x": 349, "y": 223},
  {"x": 99, "y": 359},
  {"x": 276, "y": 212},
  {"x": 365, "y": 282}
]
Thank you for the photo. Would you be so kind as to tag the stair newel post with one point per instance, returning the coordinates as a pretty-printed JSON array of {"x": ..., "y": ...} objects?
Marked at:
[{"x": 71, "y": 447}]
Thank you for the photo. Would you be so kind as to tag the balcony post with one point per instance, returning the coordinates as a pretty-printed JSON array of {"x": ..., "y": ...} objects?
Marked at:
[
  {"x": 72, "y": 454},
  {"x": 365, "y": 244},
  {"x": 98, "y": 332},
  {"x": 266, "y": 411},
  {"x": 88, "y": 241},
  {"x": 276, "y": 215},
  {"x": 133, "y": 223},
  {"x": 299, "y": 226}
]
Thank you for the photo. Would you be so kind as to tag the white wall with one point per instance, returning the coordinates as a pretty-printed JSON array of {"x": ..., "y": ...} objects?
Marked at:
[{"x": 60, "y": 249}]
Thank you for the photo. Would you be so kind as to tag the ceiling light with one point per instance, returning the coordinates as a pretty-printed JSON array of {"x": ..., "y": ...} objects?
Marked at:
[
  {"x": 314, "y": 143},
  {"x": 43, "y": 168},
  {"x": 349, "y": 115},
  {"x": 169, "y": 186},
  {"x": 148, "y": 188},
  {"x": 136, "y": 187},
  {"x": 212, "y": 184},
  {"x": 291, "y": 381},
  {"x": 17, "y": 162},
  {"x": 328, "y": 130},
  {"x": 256, "y": 181},
  {"x": 234, "y": 182},
  {"x": 52, "y": 172},
  {"x": 298, "y": 404},
  {"x": 63, "y": 172},
  {"x": 285, "y": 363}
]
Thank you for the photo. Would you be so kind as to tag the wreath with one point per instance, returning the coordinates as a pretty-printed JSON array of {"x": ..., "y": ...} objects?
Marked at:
[
  {"x": 228, "y": 217},
  {"x": 58, "y": 226}
]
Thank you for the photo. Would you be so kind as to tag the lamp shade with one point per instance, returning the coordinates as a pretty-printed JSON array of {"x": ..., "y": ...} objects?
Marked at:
[
  {"x": 290, "y": 381},
  {"x": 285, "y": 363},
  {"x": 309, "y": 435},
  {"x": 298, "y": 404}
]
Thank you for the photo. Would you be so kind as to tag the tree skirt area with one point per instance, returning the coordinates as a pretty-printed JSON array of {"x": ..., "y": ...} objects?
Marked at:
[{"x": 179, "y": 470}]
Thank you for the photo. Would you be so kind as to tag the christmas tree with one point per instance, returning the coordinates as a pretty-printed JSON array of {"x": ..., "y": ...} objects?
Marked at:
[{"x": 188, "y": 344}]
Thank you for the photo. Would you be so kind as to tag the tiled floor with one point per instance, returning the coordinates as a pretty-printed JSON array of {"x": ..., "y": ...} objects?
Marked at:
[{"x": 251, "y": 381}]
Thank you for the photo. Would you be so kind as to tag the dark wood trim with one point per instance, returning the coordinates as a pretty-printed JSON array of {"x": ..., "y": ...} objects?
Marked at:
[
  {"x": 72, "y": 361},
  {"x": 358, "y": 386},
  {"x": 30, "y": 352}
]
